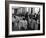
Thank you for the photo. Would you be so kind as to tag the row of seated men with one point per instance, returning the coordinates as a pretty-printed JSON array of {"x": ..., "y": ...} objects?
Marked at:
[{"x": 27, "y": 22}]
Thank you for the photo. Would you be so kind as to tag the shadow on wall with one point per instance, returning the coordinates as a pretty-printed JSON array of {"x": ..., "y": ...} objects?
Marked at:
[{"x": 12, "y": 37}]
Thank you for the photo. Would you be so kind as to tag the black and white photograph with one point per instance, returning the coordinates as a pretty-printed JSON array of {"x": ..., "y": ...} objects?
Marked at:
[{"x": 25, "y": 18}]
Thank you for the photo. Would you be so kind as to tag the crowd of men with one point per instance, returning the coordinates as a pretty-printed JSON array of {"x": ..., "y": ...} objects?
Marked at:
[{"x": 26, "y": 22}]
